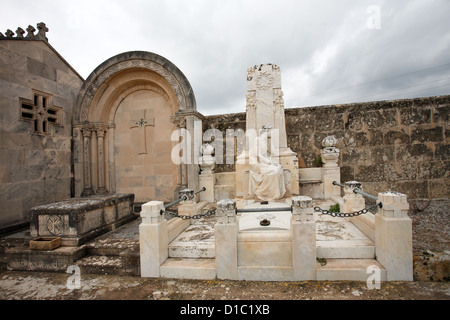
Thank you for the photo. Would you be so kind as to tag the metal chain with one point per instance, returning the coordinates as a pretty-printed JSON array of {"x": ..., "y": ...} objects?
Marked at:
[
  {"x": 208, "y": 213},
  {"x": 346, "y": 215}
]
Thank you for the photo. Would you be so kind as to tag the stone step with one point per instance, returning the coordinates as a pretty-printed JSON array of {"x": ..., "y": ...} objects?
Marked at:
[
  {"x": 183, "y": 268},
  {"x": 348, "y": 270},
  {"x": 110, "y": 265},
  {"x": 346, "y": 249},
  {"x": 196, "y": 241},
  {"x": 183, "y": 250},
  {"x": 110, "y": 247}
]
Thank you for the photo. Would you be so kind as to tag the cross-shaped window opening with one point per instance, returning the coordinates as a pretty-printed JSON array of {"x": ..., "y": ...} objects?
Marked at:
[{"x": 41, "y": 112}]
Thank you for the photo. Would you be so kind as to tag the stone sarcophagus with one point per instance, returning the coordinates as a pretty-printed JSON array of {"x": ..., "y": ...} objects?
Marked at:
[{"x": 79, "y": 220}]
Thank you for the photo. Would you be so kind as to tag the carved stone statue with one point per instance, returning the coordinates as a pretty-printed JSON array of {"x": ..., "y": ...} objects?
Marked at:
[{"x": 266, "y": 177}]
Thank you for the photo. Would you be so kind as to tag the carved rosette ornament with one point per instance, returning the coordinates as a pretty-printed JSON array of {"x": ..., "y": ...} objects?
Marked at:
[{"x": 264, "y": 81}]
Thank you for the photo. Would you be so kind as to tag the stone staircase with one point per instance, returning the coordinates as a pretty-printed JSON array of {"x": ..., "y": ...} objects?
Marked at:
[
  {"x": 115, "y": 253},
  {"x": 343, "y": 251},
  {"x": 192, "y": 253}
]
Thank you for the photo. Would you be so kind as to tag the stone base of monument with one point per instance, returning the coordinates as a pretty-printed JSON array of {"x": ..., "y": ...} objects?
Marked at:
[
  {"x": 76, "y": 221},
  {"x": 73, "y": 223}
]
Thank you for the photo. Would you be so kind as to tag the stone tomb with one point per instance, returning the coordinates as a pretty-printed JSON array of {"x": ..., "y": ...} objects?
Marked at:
[{"x": 76, "y": 221}]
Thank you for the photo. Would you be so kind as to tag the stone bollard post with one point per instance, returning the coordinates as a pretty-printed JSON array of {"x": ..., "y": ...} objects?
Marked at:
[
  {"x": 226, "y": 231},
  {"x": 352, "y": 201},
  {"x": 303, "y": 228},
  {"x": 393, "y": 236},
  {"x": 187, "y": 207},
  {"x": 153, "y": 239}
]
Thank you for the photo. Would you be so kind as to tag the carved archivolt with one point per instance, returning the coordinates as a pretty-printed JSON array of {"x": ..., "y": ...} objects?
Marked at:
[{"x": 87, "y": 92}]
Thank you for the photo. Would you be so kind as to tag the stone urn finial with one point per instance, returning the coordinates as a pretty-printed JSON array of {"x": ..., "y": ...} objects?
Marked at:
[
  {"x": 329, "y": 142},
  {"x": 329, "y": 153},
  {"x": 207, "y": 161}
]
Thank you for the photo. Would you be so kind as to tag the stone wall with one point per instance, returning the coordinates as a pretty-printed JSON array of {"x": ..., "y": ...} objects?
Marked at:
[
  {"x": 37, "y": 93},
  {"x": 400, "y": 145}
]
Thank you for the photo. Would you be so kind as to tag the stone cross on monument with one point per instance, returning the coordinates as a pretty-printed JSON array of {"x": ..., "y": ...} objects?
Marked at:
[{"x": 140, "y": 122}]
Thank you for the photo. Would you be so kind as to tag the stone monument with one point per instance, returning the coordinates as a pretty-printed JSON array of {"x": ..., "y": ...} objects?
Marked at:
[{"x": 266, "y": 121}]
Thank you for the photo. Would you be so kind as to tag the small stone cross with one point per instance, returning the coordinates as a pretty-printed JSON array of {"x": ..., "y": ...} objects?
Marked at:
[{"x": 141, "y": 122}]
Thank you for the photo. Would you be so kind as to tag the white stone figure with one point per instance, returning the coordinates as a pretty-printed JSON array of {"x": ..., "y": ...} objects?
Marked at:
[{"x": 266, "y": 177}]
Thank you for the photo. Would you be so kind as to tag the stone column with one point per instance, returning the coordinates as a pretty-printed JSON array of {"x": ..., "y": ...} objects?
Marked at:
[
  {"x": 226, "y": 231},
  {"x": 303, "y": 228},
  {"x": 393, "y": 236},
  {"x": 87, "y": 191},
  {"x": 111, "y": 159},
  {"x": 94, "y": 161},
  {"x": 192, "y": 165},
  {"x": 101, "y": 160},
  {"x": 153, "y": 239}
]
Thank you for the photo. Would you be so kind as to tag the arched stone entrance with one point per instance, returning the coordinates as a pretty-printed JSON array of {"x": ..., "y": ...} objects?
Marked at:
[{"x": 123, "y": 120}]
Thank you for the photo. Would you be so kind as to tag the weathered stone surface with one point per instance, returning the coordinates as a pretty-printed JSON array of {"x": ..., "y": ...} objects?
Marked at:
[
  {"x": 79, "y": 220},
  {"x": 35, "y": 168}
]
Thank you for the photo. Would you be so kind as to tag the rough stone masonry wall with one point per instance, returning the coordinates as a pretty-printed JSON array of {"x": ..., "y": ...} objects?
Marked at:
[{"x": 400, "y": 145}]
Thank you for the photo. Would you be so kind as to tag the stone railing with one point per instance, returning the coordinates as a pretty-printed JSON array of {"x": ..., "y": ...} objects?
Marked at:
[
  {"x": 390, "y": 228},
  {"x": 155, "y": 232}
]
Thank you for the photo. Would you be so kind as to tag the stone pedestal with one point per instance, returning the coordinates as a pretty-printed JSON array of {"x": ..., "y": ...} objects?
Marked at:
[
  {"x": 303, "y": 228},
  {"x": 352, "y": 201},
  {"x": 207, "y": 177},
  {"x": 330, "y": 171},
  {"x": 226, "y": 230},
  {"x": 207, "y": 181},
  {"x": 153, "y": 239},
  {"x": 393, "y": 236}
]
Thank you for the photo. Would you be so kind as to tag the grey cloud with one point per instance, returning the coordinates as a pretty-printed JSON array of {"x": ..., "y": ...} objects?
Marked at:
[{"x": 325, "y": 50}]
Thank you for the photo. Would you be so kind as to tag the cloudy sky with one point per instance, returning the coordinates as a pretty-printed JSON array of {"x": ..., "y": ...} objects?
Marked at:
[{"x": 329, "y": 51}]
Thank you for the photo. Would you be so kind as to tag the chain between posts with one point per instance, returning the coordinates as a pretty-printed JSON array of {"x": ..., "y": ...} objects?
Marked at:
[
  {"x": 209, "y": 213},
  {"x": 347, "y": 215}
]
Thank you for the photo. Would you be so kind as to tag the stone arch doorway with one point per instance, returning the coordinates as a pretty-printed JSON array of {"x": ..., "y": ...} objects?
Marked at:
[{"x": 123, "y": 120}]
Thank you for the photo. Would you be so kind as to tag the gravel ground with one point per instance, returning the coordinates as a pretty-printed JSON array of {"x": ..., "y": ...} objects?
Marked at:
[{"x": 15, "y": 285}]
